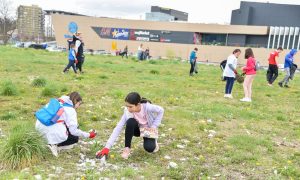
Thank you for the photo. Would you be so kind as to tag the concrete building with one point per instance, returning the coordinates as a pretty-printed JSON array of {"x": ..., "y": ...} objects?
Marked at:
[
  {"x": 30, "y": 23},
  {"x": 282, "y": 19},
  {"x": 165, "y": 14}
]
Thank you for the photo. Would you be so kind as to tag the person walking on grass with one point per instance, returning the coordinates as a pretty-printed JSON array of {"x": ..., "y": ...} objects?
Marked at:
[
  {"x": 288, "y": 63},
  {"x": 272, "y": 72},
  {"x": 230, "y": 72},
  {"x": 65, "y": 132},
  {"x": 72, "y": 59},
  {"x": 125, "y": 52},
  {"x": 141, "y": 118},
  {"x": 193, "y": 61},
  {"x": 250, "y": 71},
  {"x": 79, "y": 46}
]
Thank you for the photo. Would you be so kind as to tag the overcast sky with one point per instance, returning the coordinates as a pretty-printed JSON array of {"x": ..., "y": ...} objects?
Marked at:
[{"x": 200, "y": 11}]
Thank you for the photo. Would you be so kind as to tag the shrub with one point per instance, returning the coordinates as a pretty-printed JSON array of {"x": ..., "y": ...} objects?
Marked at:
[
  {"x": 24, "y": 147},
  {"x": 8, "y": 116},
  {"x": 154, "y": 72},
  {"x": 49, "y": 91},
  {"x": 39, "y": 82},
  {"x": 9, "y": 89}
]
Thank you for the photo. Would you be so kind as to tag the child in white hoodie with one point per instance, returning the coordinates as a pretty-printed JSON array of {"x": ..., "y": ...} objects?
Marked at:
[{"x": 65, "y": 132}]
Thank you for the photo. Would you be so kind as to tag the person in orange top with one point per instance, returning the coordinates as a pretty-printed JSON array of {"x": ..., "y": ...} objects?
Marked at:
[{"x": 272, "y": 72}]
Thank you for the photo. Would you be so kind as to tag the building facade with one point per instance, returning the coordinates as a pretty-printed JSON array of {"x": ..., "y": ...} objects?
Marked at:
[
  {"x": 178, "y": 15},
  {"x": 281, "y": 19},
  {"x": 30, "y": 23}
]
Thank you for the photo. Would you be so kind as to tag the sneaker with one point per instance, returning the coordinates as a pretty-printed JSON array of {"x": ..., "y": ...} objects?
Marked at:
[
  {"x": 270, "y": 84},
  {"x": 126, "y": 152},
  {"x": 59, "y": 148},
  {"x": 280, "y": 84},
  {"x": 53, "y": 149},
  {"x": 156, "y": 147},
  {"x": 225, "y": 95},
  {"x": 230, "y": 96},
  {"x": 245, "y": 99}
]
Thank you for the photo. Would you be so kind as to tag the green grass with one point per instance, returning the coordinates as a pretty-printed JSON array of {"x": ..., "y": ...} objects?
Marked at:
[{"x": 252, "y": 141}]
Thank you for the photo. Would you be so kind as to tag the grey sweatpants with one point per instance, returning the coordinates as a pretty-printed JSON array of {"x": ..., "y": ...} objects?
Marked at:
[{"x": 286, "y": 78}]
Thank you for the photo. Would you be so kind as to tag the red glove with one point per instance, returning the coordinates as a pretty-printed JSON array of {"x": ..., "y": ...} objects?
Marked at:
[
  {"x": 235, "y": 72},
  {"x": 76, "y": 61},
  {"x": 103, "y": 152},
  {"x": 93, "y": 134}
]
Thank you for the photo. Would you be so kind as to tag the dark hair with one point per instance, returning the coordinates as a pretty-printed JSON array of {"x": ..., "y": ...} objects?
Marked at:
[
  {"x": 236, "y": 50},
  {"x": 135, "y": 98},
  {"x": 249, "y": 53},
  {"x": 196, "y": 49},
  {"x": 75, "y": 97},
  {"x": 280, "y": 48}
]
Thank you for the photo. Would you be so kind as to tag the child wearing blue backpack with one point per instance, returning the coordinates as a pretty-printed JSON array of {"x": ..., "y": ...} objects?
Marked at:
[
  {"x": 60, "y": 127},
  {"x": 72, "y": 59}
]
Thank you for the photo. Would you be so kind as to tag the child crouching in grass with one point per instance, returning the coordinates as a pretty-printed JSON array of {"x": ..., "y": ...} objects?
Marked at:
[{"x": 141, "y": 119}]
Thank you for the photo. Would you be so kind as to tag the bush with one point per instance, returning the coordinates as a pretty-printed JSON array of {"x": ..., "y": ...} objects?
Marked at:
[
  {"x": 9, "y": 89},
  {"x": 24, "y": 147},
  {"x": 49, "y": 91},
  {"x": 8, "y": 116},
  {"x": 154, "y": 72},
  {"x": 39, "y": 82}
]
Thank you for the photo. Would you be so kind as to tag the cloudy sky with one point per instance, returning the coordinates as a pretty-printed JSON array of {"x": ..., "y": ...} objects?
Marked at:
[{"x": 200, "y": 11}]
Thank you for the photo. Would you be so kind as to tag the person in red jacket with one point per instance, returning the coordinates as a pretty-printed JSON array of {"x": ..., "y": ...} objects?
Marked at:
[
  {"x": 250, "y": 72},
  {"x": 272, "y": 72}
]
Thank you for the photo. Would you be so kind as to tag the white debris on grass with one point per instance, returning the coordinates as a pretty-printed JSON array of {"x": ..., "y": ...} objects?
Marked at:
[
  {"x": 209, "y": 121},
  {"x": 186, "y": 141},
  {"x": 182, "y": 159},
  {"x": 170, "y": 129},
  {"x": 211, "y": 134},
  {"x": 38, "y": 177},
  {"x": 163, "y": 135},
  {"x": 58, "y": 170},
  {"x": 25, "y": 170},
  {"x": 180, "y": 146},
  {"x": 173, "y": 165},
  {"x": 167, "y": 157}
]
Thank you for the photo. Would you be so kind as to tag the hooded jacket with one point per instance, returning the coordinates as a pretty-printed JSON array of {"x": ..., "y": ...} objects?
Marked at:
[{"x": 289, "y": 58}]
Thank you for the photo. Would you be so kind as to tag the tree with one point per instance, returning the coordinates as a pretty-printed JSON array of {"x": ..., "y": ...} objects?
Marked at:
[{"x": 7, "y": 22}]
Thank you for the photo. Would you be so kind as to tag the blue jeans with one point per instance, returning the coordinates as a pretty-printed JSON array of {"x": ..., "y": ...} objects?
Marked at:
[{"x": 229, "y": 84}]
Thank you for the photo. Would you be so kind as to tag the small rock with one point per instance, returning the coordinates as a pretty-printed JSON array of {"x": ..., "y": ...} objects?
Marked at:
[
  {"x": 167, "y": 157},
  {"x": 173, "y": 165},
  {"x": 170, "y": 129},
  {"x": 180, "y": 146},
  {"x": 217, "y": 175}
]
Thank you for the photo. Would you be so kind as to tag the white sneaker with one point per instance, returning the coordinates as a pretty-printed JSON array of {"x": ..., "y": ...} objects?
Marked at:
[
  {"x": 53, "y": 149},
  {"x": 245, "y": 99},
  {"x": 156, "y": 147},
  {"x": 225, "y": 95},
  {"x": 59, "y": 148},
  {"x": 230, "y": 96}
]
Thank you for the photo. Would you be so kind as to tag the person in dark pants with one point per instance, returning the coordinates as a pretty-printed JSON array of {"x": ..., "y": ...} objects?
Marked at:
[
  {"x": 125, "y": 52},
  {"x": 72, "y": 59},
  {"x": 65, "y": 132},
  {"x": 230, "y": 72},
  {"x": 272, "y": 72},
  {"x": 79, "y": 45},
  {"x": 193, "y": 58},
  {"x": 141, "y": 119}
]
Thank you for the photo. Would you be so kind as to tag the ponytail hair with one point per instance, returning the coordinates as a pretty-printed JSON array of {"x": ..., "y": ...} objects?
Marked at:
[{"x": 135, "y": 98}]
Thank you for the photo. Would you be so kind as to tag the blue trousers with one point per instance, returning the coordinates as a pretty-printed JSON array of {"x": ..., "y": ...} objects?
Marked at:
[{"x": 229, "y": 84}]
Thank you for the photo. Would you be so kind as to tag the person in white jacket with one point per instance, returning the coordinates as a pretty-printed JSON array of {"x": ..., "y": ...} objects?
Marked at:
[{"x": 65, "y": 133}]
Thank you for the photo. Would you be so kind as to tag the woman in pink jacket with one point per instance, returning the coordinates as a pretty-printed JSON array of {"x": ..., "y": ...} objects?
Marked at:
[{"x": 250, "y": 72}]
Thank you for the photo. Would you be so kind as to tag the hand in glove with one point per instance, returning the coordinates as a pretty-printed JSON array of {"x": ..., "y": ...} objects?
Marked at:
[
  {"x": 103, "y": 152},
  {"x": 93, "y": 134}
]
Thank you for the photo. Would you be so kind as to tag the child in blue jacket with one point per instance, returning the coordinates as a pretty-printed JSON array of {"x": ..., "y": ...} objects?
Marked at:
[
  {"x": 193, "y": 58},
  {"x": 288, "y": 63},
  {"x": 72, "y": 59}
]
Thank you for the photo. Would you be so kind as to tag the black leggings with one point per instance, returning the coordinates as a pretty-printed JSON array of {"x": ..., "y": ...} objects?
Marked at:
[
  {"x": 80, "y": 63},
  {"x": 71, "y": 140},
  {"x": 272, "y": 73},
  {"x": 132, "y": 129}
]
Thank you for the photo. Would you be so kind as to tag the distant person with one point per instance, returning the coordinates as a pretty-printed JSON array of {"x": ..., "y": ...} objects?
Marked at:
[
  {"x": 141, "y": 119},
  {"x": 288, "y": 63},
  {"x": 65, "y": 132},
  {"x": 193, "y": 61},
  {"x": 140, "y": 52},
  {"x": 147, "y": 53},
  {"x": 72, "y": 59},
  {"x": 79, "y": 46},
  {"x": 272, "y": 72},
  {"x": 125, "y": 52},
  {"x": 230, "y": 72},
  {"x": 250, "y": 71}
]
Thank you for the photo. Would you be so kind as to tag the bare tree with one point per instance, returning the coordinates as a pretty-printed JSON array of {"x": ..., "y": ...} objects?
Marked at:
[{"x": 7, "y": 22}]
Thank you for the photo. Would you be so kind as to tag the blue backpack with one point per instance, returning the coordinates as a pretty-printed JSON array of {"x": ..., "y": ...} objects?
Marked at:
[{"x": 50, "y": 113}]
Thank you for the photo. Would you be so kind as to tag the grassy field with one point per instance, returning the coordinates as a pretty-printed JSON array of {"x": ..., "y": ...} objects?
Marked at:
[{"x": 251, "y": 141}]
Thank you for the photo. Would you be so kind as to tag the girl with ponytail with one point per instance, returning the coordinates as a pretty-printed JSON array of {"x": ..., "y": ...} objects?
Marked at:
[{"x": 141, "y": 119}]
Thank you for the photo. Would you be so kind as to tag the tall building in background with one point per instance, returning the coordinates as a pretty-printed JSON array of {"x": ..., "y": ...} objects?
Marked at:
[
  {"x": 165, "y": 14},
  {"x": 30, "y": 23}
]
